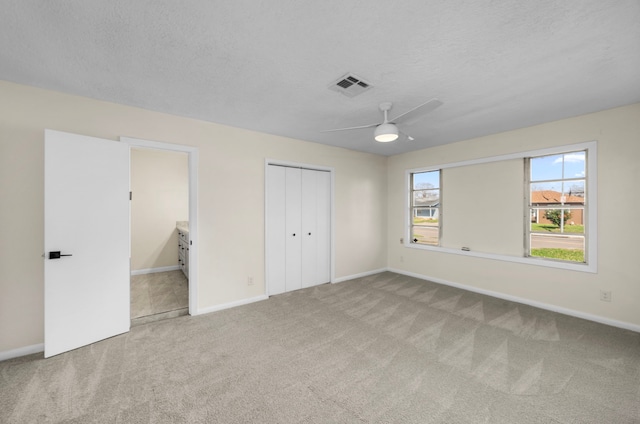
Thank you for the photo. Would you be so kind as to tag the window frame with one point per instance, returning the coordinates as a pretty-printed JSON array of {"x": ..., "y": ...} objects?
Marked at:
[
  {"x": 528, "y": 204},
  {"x": 412, "y": 190},
  {"x": 591, "y": 241}
]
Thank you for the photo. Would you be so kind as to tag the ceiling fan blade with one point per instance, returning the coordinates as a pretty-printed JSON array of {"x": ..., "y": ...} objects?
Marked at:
[
  {"x": 406, "y": 136},
  {"x": 353, "y": 128},
  {"x": 417, "y": 112}
]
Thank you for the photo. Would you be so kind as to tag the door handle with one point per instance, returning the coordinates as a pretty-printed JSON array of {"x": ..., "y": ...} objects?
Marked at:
[{"x": 56, "y": 255}]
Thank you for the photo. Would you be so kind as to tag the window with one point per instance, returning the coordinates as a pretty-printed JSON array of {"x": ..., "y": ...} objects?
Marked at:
[
  {"x": 536, "y": 207},
  {"x": 557, "y": 193},
  {"x": 425, "y": 219}
]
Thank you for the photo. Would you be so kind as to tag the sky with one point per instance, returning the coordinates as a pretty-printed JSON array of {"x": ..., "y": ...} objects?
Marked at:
[
  {"x": 431, "y": 177},
  {"x": 556, "y": 167},
  {"x": 551, "y": 167}
]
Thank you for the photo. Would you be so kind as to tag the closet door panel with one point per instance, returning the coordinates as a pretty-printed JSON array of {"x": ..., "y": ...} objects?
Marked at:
[
  {"x": 293, "y": 183},
  {"x": 309, "y": 207},
  {"x": 323, "y": 224},
  {"x": 276, "y": 230}
]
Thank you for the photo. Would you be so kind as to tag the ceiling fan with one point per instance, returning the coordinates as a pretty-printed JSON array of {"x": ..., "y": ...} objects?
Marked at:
[{"x": 388, "y": 130}]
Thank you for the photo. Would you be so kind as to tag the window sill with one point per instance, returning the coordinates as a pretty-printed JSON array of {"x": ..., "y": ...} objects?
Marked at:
[{"x": 547, "y": 263}]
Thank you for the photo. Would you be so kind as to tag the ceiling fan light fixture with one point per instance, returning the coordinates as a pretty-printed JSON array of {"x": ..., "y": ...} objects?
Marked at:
[{"x": 386, "y": 132}]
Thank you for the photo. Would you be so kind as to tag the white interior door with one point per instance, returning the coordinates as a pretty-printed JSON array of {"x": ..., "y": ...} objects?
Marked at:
[
  {"x": 293, "y": 264},
  {"x": 87, "y": 217}
]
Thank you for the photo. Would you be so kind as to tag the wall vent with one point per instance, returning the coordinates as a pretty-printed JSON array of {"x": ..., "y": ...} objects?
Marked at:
[{"x": 350, "y": 85}]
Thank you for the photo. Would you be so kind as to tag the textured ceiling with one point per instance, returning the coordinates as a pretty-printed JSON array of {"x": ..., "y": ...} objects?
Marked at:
[{"x": 267, "y": 65}]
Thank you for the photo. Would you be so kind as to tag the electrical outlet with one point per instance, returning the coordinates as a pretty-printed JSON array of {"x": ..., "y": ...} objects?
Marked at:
[
  {"x": 250, "y": 281},
  {"x": 401, "y": 258},
  {"x": 605, "y": 295}
]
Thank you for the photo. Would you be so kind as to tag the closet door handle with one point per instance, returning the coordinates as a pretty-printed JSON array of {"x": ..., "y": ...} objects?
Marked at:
[
  {"x": 309, "y": 233},
  {"x": 294, "y": 234}
]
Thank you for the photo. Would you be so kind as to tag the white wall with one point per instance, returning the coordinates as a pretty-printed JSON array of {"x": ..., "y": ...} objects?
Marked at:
[
  {"x": 230, "y": 208},
  {"x": 617, "y": 132},
  {"x": 160, "y": 186}
]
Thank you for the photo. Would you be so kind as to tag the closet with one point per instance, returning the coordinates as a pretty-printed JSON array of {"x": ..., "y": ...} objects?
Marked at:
[{"x": 298, "y": 228}]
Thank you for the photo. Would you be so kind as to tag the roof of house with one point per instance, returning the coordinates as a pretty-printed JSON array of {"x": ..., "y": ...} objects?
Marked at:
[
  {"x": 550, "y": 197},
  {"x": 426, "y": 202}
]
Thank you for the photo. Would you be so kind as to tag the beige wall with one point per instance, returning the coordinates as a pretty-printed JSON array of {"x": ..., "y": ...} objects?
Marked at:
[
  {"x": 476, "y": 199},
  {"x": 230, "y": 198},
  {"x": 160, "y": 186},
  {"x": 369, "y": 193},
  {"x": 617, "y": 132}
]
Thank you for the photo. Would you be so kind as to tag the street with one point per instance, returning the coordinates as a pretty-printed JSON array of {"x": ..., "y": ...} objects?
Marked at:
[{"x": 559, "y": 241}]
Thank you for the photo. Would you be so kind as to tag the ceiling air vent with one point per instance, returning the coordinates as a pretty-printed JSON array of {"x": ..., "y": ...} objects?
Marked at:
[{"x": 350, "y": 85}]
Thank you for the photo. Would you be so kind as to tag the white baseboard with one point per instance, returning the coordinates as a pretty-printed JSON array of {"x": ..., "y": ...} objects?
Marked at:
[
  {"x": 231, "y": 304},
  {"x": 28, "y": 350},
  {"x": 154, "y": 270},
  {"x": 541, "y": 305},
  {"x": 37, "y": 348},
  {"x": 21, "y": 351},
  {"x": 360, "y": 275}
]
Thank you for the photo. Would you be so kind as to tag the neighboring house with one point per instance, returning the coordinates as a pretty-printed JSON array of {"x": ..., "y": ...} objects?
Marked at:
[
  {"x": 426, "y": 208},
  {"x": 544, "y": 200}
]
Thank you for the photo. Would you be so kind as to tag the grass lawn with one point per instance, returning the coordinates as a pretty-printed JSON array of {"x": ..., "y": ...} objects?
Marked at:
[
  {"x": 575, "y": 255},
  {"x": 550, "y": 228},
  {"x": 418, "y": 220}
]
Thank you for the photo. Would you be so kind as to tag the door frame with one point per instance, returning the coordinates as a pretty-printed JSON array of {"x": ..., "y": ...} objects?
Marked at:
[
  {"x": 332, "y": 215},
  {"x": 192, "y": 153}
]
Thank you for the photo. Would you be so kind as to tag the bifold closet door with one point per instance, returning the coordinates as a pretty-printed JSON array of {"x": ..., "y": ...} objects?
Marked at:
[
  {"x": 315, "y": 227},
  {"x": 298, "y": 228},
  {"x": 276, "y": 229},
  {"x": 293, "y": 227},
  {"x": 324, "y": 227}
]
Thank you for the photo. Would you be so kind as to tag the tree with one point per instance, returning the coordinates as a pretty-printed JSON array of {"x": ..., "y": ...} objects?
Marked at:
[
  {"x": 553, "y": 215},
  {"x": 426, "y": 191}
]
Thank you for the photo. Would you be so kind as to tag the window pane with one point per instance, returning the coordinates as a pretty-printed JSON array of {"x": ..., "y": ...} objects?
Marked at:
[
  {"x": 425, "y": 234},
  {"x": 558, "y": 192},
  {"x": 568, "y": 221},
  {"x": 546, "y": 168},
  {"x": 560, "y": 247},
  {"x": 426, "y": 197},
  {"x": 422, "y": 215},
  {"x": 556, "y": 167},
  {"x": 574, "y": 191},
  {"x": 423, "y": 180},
  {"x": 574, "y": 165},
  {"x": 551, "y": 186}
]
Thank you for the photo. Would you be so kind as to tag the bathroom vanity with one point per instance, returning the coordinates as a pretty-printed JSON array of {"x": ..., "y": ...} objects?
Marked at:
[{"x": 183, "y": 246}]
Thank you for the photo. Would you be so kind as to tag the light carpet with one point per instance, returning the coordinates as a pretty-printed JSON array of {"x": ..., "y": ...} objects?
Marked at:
[{"x": 382, "y": 349}]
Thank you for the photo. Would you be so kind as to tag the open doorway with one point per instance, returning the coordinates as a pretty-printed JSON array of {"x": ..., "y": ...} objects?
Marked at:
[
  {"x": 159, "y": 234},
  {"x": 173, "y": 261}
]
